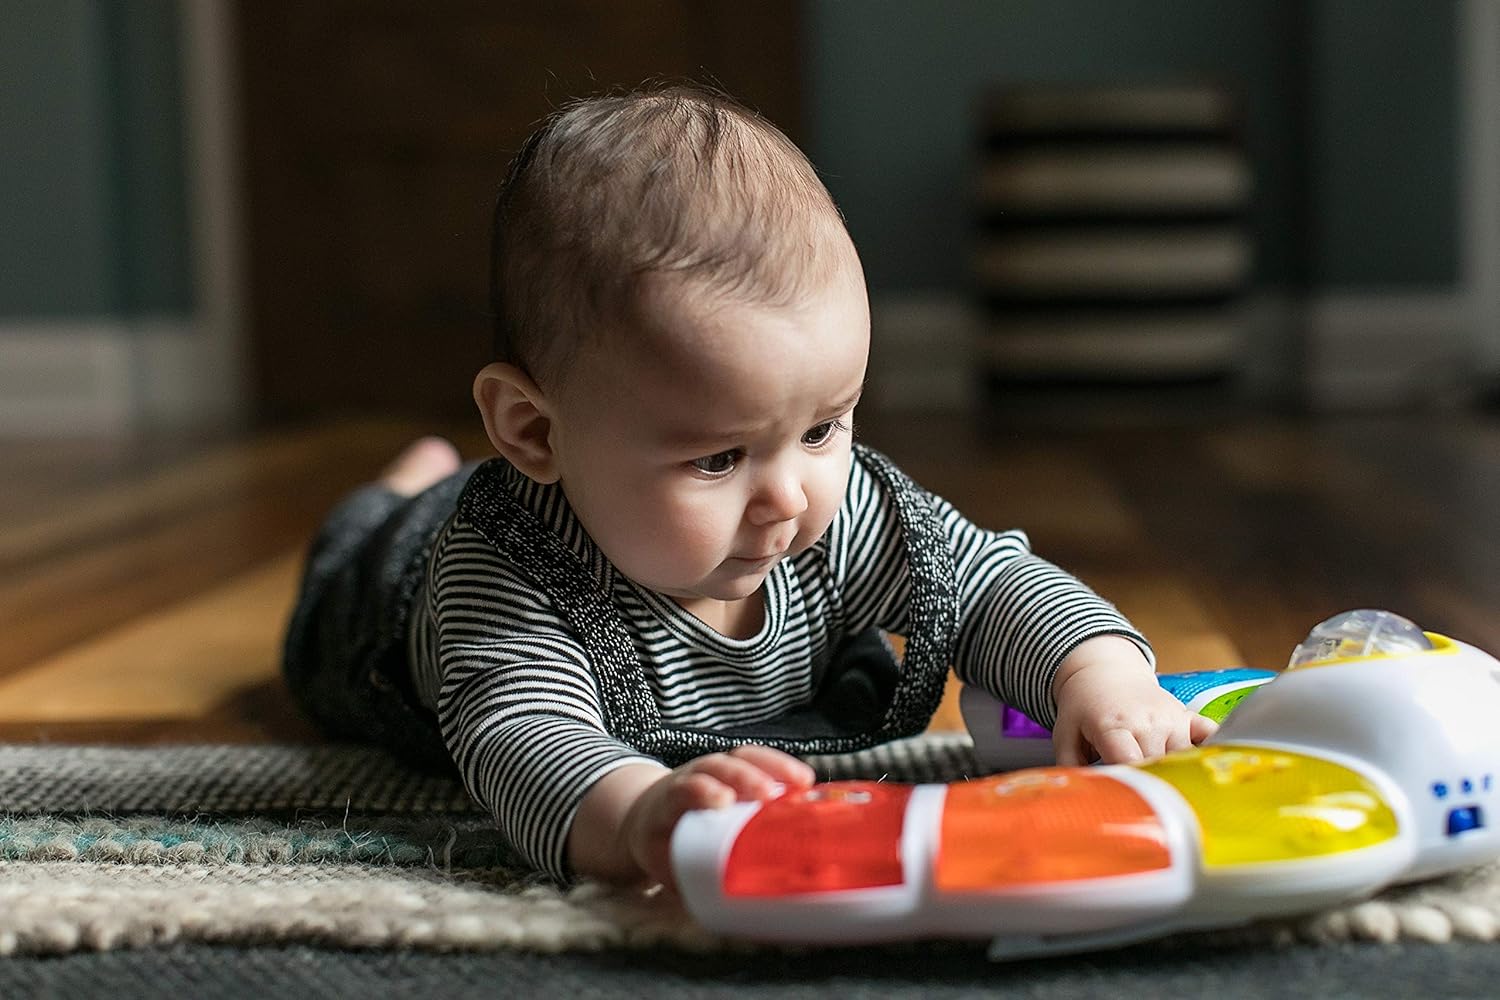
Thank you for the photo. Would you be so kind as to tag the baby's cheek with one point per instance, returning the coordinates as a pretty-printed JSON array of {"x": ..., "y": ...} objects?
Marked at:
[
  {"x": 823, "y": 505},
  {"x": 694, "y": 531}
]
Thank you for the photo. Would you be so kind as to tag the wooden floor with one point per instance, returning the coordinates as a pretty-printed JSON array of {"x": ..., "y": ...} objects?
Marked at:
[{"x": 144, "y": 584}]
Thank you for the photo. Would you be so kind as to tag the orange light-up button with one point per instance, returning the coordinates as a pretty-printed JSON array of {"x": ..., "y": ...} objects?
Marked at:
[
  {"x": 837, "y": 836},
  {"x": 1046, "y": 825}
]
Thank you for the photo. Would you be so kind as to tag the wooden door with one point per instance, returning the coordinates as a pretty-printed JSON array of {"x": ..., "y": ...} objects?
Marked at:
[{"x": 375, "y": 137}]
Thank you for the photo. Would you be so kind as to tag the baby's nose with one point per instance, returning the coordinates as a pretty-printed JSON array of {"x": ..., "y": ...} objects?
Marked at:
[{"x": 779, "y": 498}]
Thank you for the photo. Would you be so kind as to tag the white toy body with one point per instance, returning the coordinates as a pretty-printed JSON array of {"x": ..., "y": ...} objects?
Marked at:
[{"x": 1331, "y": 782}]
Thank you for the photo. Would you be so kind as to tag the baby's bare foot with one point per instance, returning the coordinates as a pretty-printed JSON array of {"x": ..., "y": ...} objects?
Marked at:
[{"x": 420, "y": 464}]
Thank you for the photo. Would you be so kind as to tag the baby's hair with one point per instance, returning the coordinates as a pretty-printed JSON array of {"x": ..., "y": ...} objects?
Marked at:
[{"x": 676, "y": 180}]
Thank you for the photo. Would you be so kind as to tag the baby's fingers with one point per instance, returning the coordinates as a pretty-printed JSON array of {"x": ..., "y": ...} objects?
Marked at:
[
  {"x": 695, "y": 790},
  {"x": 1179, "y": 733},
  {"x": 1069, "y": 746},
  {"x": 742, "y": 777},
  {"x": 1120, "y": 746},
  {"x": 1201, "y": 727},
  {"x": 781, "y": 767},
  {"x": 650, "y": 837}
]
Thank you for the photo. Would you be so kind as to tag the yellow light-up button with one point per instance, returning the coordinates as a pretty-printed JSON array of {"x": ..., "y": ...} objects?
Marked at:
[{"x": 1257, "y": 804}]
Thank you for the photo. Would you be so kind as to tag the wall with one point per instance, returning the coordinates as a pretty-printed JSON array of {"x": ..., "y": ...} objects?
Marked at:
[
  {"x": 94, "y": 177},
  {"x": 116, "y": 301},
  {"x": 1381, "y": 119},
  {"x": 1350, "y": 119},
  {"x": 117, "y": 189}
]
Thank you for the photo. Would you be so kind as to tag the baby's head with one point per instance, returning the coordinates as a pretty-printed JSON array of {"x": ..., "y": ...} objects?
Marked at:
[
  {"x": 675, "y": 294},
  {"x": 615, "y": 197}
]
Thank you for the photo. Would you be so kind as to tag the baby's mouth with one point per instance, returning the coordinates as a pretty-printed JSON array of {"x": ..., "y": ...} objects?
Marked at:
[{"x": 768, "y": 557}]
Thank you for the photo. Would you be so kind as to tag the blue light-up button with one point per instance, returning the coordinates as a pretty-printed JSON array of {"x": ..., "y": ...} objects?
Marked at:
[
  {"x": 1440, "y": 789},
  {"x": 1468, "y": 786},
  {"x": 1464, "y": 819},
  {"x": 1185, "y": 687}
]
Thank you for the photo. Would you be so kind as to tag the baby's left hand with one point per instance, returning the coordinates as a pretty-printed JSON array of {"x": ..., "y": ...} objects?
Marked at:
[{"x": 1111, "y": 708}]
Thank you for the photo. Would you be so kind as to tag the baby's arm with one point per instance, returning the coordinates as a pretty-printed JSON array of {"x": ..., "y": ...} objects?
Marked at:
[
  {"x": 622, "y": 831},
  {"x": 521, "y": 714},
  {"x": 1026, "y": 630},
  {"x": 1111, "y": 707}
]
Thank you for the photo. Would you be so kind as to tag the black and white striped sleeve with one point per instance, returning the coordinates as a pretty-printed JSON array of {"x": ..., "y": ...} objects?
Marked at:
[
  {"x": 518, "y": 704},
  {"x": 1019, "y": 615}
]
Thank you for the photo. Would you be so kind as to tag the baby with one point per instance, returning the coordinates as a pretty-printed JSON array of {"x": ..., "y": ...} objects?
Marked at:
[{"x": 670, "y": 582}]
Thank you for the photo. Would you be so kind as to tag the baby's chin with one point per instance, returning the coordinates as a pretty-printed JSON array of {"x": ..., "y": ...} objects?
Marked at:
[{"x": 729, "y": 584}]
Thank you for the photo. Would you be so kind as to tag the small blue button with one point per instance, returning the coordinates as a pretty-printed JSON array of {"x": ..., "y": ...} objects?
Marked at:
[
  {"x": 1464, "y": 819},
  {"x": 1440, "y": 789},
  {"x": 1468, "y": 786}
]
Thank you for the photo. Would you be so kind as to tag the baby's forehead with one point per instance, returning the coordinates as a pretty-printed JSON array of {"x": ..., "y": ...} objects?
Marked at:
[{"x": 674, "y": 317}]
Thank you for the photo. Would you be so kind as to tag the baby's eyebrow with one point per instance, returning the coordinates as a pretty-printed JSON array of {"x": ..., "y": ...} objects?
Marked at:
[
  {"x": 845, "y": 405},
  {"x": 699, "y": 438},
  {"x": 689, "y": 438}
]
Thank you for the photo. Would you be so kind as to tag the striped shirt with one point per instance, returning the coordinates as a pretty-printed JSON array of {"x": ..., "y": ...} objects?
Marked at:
[{"x": 516, "y": 698}]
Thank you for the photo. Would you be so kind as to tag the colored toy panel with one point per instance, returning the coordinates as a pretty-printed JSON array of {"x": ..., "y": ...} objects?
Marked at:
[
  {"x": 1046, "y": 825},
  {"x": 1219, "y": 708},
  {"x": 1187, "y": 686},
  {"x": 833, "y": 837},
  {"x": 1258, "y": 804},
  {"x": 1016, "y": 724}
]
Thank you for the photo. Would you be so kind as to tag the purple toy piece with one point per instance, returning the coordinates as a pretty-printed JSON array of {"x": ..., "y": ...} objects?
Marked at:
[{"x": 1015, "y": 724}]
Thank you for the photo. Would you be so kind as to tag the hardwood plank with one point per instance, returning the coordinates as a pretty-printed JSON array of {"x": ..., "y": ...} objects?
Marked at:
[
  {"x": 98, "y": 562},
  {"x": 1169, "y": 612},
  {"x": 1277, "y": 525},
  {"x": 204, "y": 670},
  {"x": 79, "y": 595},
  {"x": 79, "y": 515},
  {"x": 948, "y": 718},
  {"x": 184, "y": 661},
  {"x": 276, "y": 725},
  {"x": 40, "y": 474},
  {"x": 75, "y": 517}
]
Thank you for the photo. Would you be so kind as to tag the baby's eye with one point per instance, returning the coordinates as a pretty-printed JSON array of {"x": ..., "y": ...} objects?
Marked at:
[
  {"x": 717, "y": 464},
  {"x": 821, "y": 433}
]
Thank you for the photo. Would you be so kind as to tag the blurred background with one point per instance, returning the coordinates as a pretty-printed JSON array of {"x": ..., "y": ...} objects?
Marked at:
[
  {"x": 219, "y": 214},
  {"x": 1205, "y": 295}
]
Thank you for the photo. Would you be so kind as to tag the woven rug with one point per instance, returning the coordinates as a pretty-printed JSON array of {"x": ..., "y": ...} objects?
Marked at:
[{"x": 104, "y": 848}]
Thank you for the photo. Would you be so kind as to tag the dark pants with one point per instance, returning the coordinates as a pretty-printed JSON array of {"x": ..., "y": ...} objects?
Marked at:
[{"x": 345, "y": 657}]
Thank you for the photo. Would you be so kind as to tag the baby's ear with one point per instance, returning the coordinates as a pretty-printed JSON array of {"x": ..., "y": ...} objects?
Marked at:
[{"x": 517, "y": 419}]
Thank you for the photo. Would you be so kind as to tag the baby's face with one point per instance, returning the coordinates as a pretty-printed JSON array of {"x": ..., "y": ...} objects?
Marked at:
[{"x": 703, "y": 452}]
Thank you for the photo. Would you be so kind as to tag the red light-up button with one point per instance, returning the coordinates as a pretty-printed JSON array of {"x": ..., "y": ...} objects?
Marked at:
[
  {"x": 837, "y": 836},
  {"x": 1046, "y": 825}
]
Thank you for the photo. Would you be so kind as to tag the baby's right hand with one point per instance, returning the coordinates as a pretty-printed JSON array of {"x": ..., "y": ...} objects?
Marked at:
[{"x": 748, "y": 773}]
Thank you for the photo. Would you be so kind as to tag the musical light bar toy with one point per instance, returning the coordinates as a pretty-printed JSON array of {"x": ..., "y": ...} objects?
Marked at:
[{"x": 1370, "y": 760}]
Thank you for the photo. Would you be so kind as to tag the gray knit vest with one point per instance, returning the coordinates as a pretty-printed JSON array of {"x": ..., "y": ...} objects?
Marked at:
[{"x": 630, "y": 711}]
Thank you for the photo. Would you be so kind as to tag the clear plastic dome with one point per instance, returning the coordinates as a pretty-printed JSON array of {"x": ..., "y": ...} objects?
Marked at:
[{"x": 1365, "y": 632}]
